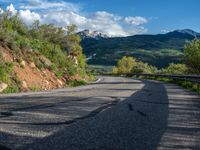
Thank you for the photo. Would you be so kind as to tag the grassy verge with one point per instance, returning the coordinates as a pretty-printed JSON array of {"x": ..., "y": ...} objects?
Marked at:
[{"x": 185, "y": 84}]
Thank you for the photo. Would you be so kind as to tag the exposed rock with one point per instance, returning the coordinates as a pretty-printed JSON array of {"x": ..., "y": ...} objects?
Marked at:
[
  {"x": 60, "y": 82},
  {"x": 46, "y": 61},
  {"x": 45, "y": 85},
  {"x": 3, "y": 86},
  {"x": 24, "y": 85},
  {"x": 46, "y": 82},
  {"x": 30, "y": 50},
  {"x": 44, "y": 73},
  {"x": 74, "y": 59},
  {"x": 23, "y": 63},
  {"x": 32, "y": 65},
  {"x": 7, "y": 57}
]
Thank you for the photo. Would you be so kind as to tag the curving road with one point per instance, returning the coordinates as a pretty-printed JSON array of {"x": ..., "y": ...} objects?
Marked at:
[{"x": 115, "y": 114}]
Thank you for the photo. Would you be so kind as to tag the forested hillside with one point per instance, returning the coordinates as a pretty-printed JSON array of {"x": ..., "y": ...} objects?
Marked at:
[
  {"x": 158, "y": 50},
  {"x": 190, "y": 66}
]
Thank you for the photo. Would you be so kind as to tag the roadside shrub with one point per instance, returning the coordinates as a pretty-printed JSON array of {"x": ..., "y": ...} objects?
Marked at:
[
  {"x": 175, "y": 69},
  {"x": 131, "y": 65}
]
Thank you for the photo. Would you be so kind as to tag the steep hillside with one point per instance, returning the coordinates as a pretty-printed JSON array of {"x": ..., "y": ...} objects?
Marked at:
[
  {"x": 26, "y": 75},
  {"x": 40, "y": 57},
  {"x": 158, "y": 50}
]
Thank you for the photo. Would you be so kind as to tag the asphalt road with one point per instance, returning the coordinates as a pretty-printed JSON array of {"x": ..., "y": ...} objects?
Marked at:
[{"x": 115, "y": 114}]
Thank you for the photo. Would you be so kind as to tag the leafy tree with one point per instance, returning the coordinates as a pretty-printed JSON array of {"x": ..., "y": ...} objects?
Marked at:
[
  {"x": 131, "y": 65},
  {"x": 192, "y": 55},
  {"x": 125, "y": 65}
]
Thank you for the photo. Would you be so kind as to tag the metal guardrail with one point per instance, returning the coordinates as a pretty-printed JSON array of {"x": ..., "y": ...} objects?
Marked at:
[{"x": 191, "y": 78}]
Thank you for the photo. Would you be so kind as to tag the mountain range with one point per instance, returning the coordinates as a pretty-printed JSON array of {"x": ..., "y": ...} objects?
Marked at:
[{"x": 158, "y": 50}]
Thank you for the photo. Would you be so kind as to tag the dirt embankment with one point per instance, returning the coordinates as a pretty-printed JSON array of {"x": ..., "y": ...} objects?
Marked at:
[{"x": 30, "y": 76}]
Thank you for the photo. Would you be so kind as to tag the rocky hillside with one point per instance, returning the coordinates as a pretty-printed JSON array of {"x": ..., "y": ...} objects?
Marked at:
[
  {"x": 40, "y": 57},
  {"x": 27, "y": 74}
]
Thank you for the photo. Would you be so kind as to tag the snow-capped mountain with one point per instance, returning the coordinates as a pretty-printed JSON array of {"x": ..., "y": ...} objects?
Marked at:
[{"x": 92, "y": 34}]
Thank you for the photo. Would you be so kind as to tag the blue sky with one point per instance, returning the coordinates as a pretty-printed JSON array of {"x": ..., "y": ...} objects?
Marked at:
[{"x": 114, "y": 17}]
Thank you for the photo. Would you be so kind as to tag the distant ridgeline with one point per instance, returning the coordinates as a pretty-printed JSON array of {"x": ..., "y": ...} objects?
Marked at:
[{"x": 158, "y": 50}]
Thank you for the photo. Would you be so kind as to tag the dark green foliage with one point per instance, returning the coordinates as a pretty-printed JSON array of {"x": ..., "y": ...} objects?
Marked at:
[
  {"x": 157, "y": 50},
  {"x": 192, "y": 56}
]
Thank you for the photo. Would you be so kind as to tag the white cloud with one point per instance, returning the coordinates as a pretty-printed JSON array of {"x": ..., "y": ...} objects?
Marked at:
[
  {"x": 44, "y": 4},
  {"x": 63, "y": 14},
  {"x": 29, "y": 17},
  {"x": 167, "y": 31},
  {"x": 61, "y": 18},
  {"x": 135, "y": 20},
  {"x": 11, "y": 8},
  {"x": 1, "y": 11},
  {"x": 104, "y": 22}
]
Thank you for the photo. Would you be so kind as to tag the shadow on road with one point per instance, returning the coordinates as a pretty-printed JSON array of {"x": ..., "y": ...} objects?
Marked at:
[{"x": 132, "y": 124}]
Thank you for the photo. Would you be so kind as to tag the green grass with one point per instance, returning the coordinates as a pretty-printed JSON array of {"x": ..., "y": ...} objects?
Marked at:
[{"x": 75, "y": 83}]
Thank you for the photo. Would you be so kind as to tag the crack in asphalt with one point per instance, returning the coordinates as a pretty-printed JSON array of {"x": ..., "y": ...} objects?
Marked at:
[
  {"x": 130, "y": 106},
  {"x": 91, "y": 114}
]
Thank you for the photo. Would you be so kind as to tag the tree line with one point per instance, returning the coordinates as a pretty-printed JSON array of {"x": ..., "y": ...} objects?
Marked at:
[{"x": 191, "y": 63}]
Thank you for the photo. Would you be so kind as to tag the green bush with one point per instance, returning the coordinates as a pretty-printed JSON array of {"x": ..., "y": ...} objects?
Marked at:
[
  {"x": 175, "y": 69},
  {"x": 131, "y": 65}
]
